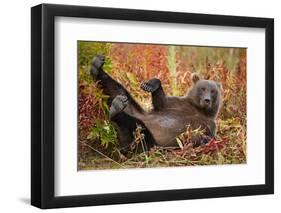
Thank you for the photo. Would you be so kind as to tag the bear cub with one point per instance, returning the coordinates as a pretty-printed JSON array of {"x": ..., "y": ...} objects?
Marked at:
[{"x": 170, "y": 116}]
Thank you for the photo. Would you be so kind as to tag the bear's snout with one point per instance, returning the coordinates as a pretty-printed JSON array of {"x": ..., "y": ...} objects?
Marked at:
[{"x": 207, "y": 100}]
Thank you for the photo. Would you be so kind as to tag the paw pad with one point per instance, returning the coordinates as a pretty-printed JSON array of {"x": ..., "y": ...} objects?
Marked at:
[
  {"x": 98, "y": 61},
  {"x": 118, "y": 105},
  {"x": 151, "y": 85}
]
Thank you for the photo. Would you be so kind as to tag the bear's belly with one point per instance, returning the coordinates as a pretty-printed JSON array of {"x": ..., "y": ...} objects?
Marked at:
[{"x": 165, "y": 128}]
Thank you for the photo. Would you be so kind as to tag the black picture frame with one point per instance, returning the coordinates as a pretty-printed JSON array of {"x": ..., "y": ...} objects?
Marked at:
[{"x": 43, "y": 102}]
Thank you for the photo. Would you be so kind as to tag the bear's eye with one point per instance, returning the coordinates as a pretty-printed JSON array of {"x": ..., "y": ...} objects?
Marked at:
[
  {"x": 203, "y": 88},
  {"x": 212, "y": 91}
]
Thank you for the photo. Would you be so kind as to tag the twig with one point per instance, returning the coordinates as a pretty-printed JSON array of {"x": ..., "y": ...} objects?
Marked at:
[
  {"x": 146, "y": 157},
  {"x": 166, "y": 147},
  {"x": 102, "y": 154}
]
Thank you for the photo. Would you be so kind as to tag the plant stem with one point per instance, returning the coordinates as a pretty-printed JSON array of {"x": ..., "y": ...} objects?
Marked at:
[{"x": 102, "y": 154}]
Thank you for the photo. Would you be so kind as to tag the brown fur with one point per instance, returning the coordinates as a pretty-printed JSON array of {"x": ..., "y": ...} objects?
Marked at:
[{"x": 177, "y": 113}]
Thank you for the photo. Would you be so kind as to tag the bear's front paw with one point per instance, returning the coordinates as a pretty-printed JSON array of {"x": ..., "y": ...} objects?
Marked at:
[
  {"x": 118, "y": 105},
  {"x": 151, "y": 86},
  {"x": 200, "y": 140}
]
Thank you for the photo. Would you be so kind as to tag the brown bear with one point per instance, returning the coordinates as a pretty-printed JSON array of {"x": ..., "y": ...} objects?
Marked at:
[{"x": 170, "y": 115}]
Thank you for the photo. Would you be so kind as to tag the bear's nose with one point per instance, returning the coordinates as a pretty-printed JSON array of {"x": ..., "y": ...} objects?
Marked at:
[{"x": 207, "y": 100}]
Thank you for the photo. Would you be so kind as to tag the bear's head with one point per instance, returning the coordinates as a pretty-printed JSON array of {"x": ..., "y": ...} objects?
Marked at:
[{"x": 205, "y": 95}]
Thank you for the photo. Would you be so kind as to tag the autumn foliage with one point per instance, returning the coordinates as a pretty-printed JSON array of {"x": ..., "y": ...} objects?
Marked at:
[{"x": 131, "y": 64}]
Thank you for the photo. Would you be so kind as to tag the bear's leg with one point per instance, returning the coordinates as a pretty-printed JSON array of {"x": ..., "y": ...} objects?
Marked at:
[
  {"x": 127, "y": 124},
  {"x": 109, "y": 85},
  {"x": 158, "y": 95}
]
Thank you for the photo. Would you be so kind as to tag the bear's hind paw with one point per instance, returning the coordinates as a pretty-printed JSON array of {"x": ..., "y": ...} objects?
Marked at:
[
  {"x": 119, "y": 103},
  {"x": 98, "y": 61}
]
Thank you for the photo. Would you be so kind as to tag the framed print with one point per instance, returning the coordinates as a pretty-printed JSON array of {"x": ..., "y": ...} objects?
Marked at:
[{"x": 139, "y": 106}]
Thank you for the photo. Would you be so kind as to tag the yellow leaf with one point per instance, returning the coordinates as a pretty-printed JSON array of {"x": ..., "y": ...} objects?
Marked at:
[{"x": 179, "y": 143}]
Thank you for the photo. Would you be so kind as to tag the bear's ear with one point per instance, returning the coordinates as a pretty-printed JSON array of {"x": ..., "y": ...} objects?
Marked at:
[
  {"x": 219, "y": 86},
  {"x": 195, "y": 78}
]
